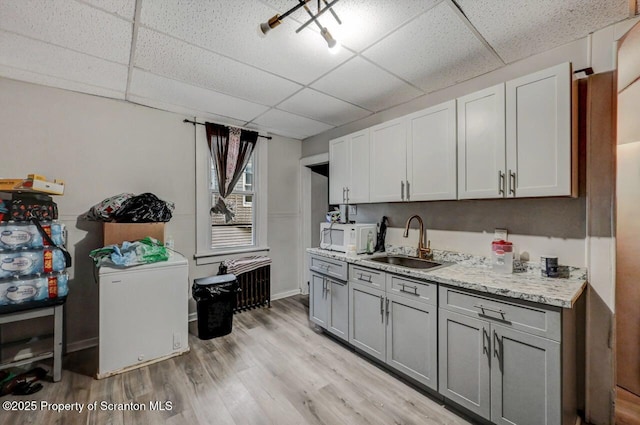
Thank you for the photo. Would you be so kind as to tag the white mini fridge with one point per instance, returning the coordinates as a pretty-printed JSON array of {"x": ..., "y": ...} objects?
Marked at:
[{"x": 143, "y": 314}]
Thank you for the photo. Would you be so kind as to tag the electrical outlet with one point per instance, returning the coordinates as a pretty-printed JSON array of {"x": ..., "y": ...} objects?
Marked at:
[
  {"x": 353, "y": 210},
  {"x": 500, "y": 235}
]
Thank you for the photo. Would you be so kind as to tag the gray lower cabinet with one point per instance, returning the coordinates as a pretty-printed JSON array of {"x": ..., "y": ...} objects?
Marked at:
[
  {"x": 500, "y": 373},
  {"x": 396, "y": 325},
  {"x": 411, "y": 339},
  {"x": 329, "y": 296},
  {"x": 465, "y": 359},
  {"x": 318, "y": 300},
  {"x": 338, "y": 315},
  {"x": 367, "y": 319},
  {"x": 525, "y": 378}
]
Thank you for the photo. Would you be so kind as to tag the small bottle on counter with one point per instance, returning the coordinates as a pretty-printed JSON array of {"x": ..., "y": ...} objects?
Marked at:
[
  {"x": 370, "y": 242},
  {"x": 502, "y": 256}
]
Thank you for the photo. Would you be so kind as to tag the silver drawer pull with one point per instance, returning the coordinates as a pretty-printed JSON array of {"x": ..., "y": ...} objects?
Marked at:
[
  {"x": 415, "y": 289},
  {"x": 495, "y": 310},
  {"x": 365, "y": 277}
]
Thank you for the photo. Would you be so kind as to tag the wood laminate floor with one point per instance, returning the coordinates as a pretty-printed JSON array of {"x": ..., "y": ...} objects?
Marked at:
[
  {"x": 627, "y": 407},
  {"x": 273, "y": 369}
]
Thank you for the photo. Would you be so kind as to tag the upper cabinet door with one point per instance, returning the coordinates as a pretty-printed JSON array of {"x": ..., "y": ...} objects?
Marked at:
[
  {"x": 431, "y": 154},
  {"x": 481, "y": 144},
  {"x": 540, "y": 147},
  {"x": 359, "y": 168},
  {"x": 388, "y": 161},
  {"x": 338, "y": 170}
]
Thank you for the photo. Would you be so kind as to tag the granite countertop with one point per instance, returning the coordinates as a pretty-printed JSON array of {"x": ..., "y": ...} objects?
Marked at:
[{"x": 474, "y": 273}]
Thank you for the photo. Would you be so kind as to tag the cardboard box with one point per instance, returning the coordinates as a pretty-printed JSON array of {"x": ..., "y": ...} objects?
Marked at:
[{"x": 116, "y": 233}]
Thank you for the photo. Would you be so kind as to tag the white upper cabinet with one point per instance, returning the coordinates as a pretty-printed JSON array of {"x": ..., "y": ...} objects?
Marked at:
[
  {"x": 338, "y": 170},
  {"x": 481, "y": 144},
  {"x": 512, "y": 140},
  {"x": 358, "y": 188},
  {"x": 413, "y": 158},
  {"x": 540, "y": 147},
  {"x": 388, "y": 161},
  {"x": 515, "y": 139},
  {"x": 431, "y": 154},
  {"x": 349, "y": 169}
]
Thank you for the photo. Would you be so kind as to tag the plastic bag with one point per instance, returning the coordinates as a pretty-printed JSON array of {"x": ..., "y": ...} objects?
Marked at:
[
  {"x": 105, "y": 210},
  {"x": 144, "y": 251},
  {"x": 144, "y": 208}
]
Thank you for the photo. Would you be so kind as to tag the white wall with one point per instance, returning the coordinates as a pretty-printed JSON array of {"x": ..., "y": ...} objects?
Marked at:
[
  {"x": 102, "y": 147},
  {"x": 284, "y": 215}
]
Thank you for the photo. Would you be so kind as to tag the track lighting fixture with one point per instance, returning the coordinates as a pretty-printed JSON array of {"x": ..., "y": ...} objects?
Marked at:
[{"x": 276, "y": 20}]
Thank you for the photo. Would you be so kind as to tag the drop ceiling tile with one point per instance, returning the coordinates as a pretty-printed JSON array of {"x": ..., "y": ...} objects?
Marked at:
[
  {"x": 191, "y": 113},
  {"x": 363, "y": 21},
  {"x": 178, "y": 60},
  {"x": 69, "y": 24},
  {"x": 230, "y": 27},
  {"x": 290, "y": 125},
  {"x": 320, "y": 107},
  {"x": 61, "y": 83},
  {"x": 34, "y": 56},
  {"x": 448, "y": 52},
  {"x": 528, "y": 27},
  {"x": 362, "y": 83},
  {"x": 150, "y": 86},
  {"x": 124, "y": 8}
]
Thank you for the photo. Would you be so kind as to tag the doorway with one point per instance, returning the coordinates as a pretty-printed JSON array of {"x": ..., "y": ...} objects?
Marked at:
[{"x": 314, "y": 198}]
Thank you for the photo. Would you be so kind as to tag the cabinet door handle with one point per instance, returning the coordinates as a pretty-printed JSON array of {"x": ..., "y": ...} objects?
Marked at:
[
  {"x": 512, "y": 183},
  {"x": 382, "y": 308},
  {"x": 343, "y": 196},
  {"x": 501, "y": 182},
  {"x": 495, "y": 310},
  {"x": 485, "y": 339},
  {"x": 387, "y": 309},
  {"x": 415, "y": 289},
  {"x": 497, "y": 349},
  {"x": 408, "y": 191},
  {"x": 402, "y": 190},
  {"x": 348, "y": 195}
]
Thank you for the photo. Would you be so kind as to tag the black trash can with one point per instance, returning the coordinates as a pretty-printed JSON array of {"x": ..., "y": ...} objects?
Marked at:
[{"x": 215, "y": 298}]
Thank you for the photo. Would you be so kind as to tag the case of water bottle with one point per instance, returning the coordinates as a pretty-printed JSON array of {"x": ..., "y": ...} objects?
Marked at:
[{"x": 30, "y": 269}]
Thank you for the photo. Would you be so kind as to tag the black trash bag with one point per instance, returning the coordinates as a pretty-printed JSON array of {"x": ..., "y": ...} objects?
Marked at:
[{"x": 144, "y": 208}]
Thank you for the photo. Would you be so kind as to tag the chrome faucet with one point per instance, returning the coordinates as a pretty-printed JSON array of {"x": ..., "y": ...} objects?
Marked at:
[{"x": 423, "y": 253}]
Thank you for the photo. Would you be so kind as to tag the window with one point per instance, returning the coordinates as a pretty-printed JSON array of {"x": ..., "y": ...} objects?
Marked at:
[
  {"x": 239, "y": 232},
  {"x": 247, "y": 182},
  {"x": 211, "y": 246}
]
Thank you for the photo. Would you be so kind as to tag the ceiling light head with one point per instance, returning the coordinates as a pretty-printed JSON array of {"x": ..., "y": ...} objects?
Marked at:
[
  {"x": 265, "y": 27},
  {"x": 334, "y": 46}
]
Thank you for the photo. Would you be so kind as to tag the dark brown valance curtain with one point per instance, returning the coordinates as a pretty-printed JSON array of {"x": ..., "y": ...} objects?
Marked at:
[{"x": 230, "y": 149}]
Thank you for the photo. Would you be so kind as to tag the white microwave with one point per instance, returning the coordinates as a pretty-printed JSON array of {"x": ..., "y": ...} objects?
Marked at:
[{"x": 338, "y": 236}]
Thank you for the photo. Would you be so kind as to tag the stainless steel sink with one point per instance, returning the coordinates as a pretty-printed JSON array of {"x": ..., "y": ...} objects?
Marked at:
[{"x": 410, "y": 262}]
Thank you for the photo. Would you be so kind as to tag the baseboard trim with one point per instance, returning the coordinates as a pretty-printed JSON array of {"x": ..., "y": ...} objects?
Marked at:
[
  {"x": 285, "y": 294},
  {"x": 82, "y": 344}
]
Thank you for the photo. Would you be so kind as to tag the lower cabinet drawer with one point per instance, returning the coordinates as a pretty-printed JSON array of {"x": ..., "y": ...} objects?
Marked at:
[
  {"x": 413, "y": 289},
  {"x": 328, "y": 266},
  {"x": 366, "y": 276},
  {"x": 528, "y": 317}
]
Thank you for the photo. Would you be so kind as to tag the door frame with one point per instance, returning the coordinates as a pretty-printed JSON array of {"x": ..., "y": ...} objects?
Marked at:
[{"x": 305, "y": 214}]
